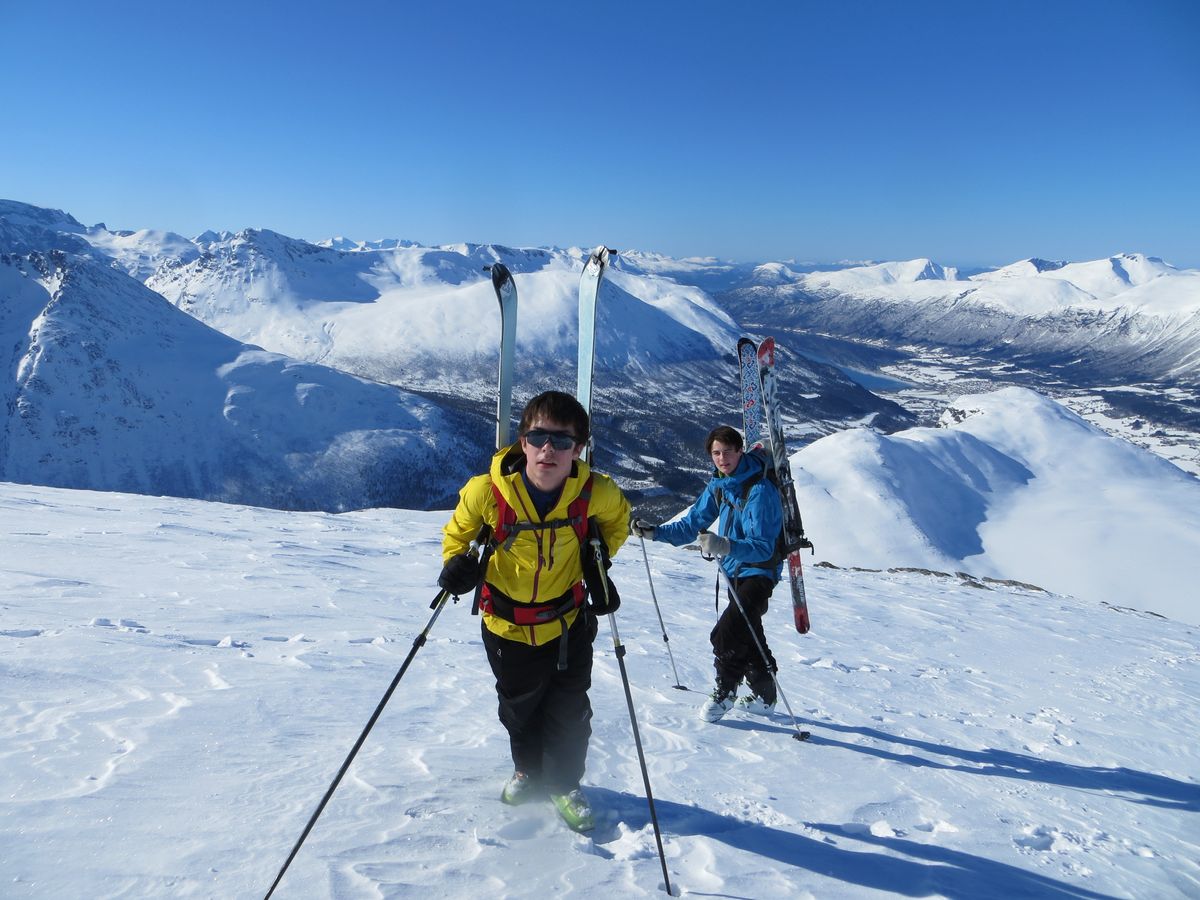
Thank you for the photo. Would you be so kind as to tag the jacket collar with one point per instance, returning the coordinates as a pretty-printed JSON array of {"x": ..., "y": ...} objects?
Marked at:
[
  {"x": 505, "y": 472},
  {"x": 750, "y": 466}
]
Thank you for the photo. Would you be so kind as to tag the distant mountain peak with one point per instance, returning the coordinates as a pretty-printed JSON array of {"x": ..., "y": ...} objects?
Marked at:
[
  {"x": 1045, "y": 265},
  {"x": 26, "y": 214},
  {"x": 867, "y": 278},
  {"x": 213, "y": 237},
  {"x": 349, "y": 245},
  {"x": 920, "y": 269},
  {"x": 773, "y": 273},
  {"x": 1025, "y": 268}
]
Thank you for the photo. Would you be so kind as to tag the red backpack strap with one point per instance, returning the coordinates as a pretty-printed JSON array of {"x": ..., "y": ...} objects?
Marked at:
[
  {"x": 506, "y": 517},
  {"x": 507, "y": 529},
  {"x": 577, "y": 511},
  {"x": 507, "y": 525}
]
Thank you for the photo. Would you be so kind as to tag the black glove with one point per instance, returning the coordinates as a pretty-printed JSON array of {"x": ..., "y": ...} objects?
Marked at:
[
  {"x": 460, "y": 575},
  {"x": 641, "y": 528}
]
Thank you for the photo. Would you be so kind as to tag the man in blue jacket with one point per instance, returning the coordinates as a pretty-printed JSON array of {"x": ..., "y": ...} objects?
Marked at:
[{"x": 749, "y": 517}]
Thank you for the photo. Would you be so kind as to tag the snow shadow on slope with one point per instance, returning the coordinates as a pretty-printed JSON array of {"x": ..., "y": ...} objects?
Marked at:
[
  {"x": 951, "y": 873},
  {"x": 946, "y": 485},
  {"x": 940, "y": 871},
  {"x": 1129, "y": 784}
]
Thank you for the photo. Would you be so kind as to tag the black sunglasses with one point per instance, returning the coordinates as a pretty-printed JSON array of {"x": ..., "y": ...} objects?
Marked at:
[{"x": 559, "y": 440}]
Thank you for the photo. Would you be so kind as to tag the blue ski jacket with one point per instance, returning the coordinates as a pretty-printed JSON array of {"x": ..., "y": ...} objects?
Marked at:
[{"x": 751, "y": 524}]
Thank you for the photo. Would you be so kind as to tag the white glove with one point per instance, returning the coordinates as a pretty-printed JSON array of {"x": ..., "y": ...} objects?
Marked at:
[
  {"x": 641, "y": 528},
  {"x": 714, "y": 545}
]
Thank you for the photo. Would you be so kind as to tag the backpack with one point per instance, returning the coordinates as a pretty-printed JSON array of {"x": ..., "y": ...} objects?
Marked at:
[
  {"x": 507, "y": 526},
  {"x": 782, "y": 545},
  {"x": 595, "y": 562}
]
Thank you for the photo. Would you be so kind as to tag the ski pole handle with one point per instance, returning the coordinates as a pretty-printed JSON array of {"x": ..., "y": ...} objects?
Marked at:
[{"x": 485, "y": 532}]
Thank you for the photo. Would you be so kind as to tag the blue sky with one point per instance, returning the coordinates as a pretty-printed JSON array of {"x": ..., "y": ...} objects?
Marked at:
[{"x": 972, "y": 132}]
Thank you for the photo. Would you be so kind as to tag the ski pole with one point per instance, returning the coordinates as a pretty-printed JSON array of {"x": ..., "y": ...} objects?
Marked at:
[
  {"x": 619, "y": 649},
  {"x": 799, "y": 735},
  {"x": 666, "y": 640},
  {"x": 438, "y": 603}
]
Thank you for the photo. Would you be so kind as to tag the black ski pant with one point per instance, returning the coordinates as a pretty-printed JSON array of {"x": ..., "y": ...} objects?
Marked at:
[
  {"x": 735, "y": 653},
  {"x": 546, "y": 711}
]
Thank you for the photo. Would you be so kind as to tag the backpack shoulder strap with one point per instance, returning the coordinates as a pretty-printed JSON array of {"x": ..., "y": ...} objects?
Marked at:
[
  {"x": 577, "y": 511},
  {"x": 507, "y": 526},
  {"x": 506, "y": 517},
  {"x": 749, "y": 483}
]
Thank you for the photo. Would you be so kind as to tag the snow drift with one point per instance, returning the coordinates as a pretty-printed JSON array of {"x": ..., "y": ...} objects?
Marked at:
[{"x": 1013, "y": 485}]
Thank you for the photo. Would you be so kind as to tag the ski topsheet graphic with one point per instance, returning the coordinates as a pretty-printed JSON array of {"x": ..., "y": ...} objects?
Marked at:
[{"x": 753, "y": 418}]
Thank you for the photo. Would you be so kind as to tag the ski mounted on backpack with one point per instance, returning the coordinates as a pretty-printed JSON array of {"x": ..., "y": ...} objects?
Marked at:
[
  {"x": 763, "y": 425},
  {"x": 602, "y": 593},
  {"x": 506, "y": 293},
  {"x": 589, "y": 292}
]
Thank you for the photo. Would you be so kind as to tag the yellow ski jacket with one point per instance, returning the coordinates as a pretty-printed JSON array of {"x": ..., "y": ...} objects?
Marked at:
[{"x": 541, "y": 564}]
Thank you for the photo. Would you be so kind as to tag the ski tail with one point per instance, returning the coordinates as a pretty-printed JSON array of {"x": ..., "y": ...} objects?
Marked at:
[
  {"x": 506, "y": 293},
  {"x": 799, "y": 594},
  {"x": 589, "y": 291}
]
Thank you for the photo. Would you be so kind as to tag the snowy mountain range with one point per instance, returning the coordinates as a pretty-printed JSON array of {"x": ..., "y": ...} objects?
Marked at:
[
  {"x": 993, "y": 714},
  {"x": 113, "y": 388},
  {"x": 256, "y": 368},
  {"x": 1129, "y": 317},
  {"x": 425, "y": 320}
]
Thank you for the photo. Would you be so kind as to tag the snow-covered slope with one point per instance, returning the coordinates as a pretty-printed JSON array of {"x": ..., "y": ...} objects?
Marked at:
[
  {"x": 383, "y": 311},
  {"x": 1013, "y": 486},
  {"x": 1107, "y": 278},
  {"x": 142, "y": 253},
  {"x": 183, "y": 681},
  {"x": 872, "y": 277},
  {"x": 110, "y": 387},
  {"x": 37, "y": 218}
]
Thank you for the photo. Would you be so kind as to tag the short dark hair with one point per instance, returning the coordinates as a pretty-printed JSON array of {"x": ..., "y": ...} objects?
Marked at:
[
  {"x": 727, "y": 435},
  {"x": 557, "y": 407}
]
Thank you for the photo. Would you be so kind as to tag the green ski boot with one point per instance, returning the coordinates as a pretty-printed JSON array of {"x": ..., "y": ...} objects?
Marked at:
[
  {"x": 575, "y": 810},
  {"x": 518, "y": 789}
]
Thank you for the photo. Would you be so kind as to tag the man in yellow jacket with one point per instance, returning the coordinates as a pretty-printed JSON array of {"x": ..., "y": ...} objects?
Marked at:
[{"x": 537, "y": 626}]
